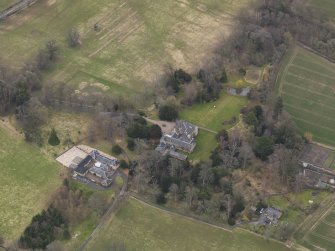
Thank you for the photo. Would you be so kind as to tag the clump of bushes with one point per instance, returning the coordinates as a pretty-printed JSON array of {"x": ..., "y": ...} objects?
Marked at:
[
  {"x": 116, "y": 149},
  {"x": 140, "y": 130},
  {"x": 131, "y": 144},
  {"x": 44, "y": 229},
  {"x": 168, "y": 113}
]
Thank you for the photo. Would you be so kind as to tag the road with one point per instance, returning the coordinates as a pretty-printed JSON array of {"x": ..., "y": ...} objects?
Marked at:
[
  {"x": 121, "y": 196},
  {"x": 226, "y": 228}
]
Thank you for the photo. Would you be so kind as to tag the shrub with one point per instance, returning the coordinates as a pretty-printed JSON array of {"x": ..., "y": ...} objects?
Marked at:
[
  {"x": 138, "y": 131},
  {"x": 173, "y": 84},
  {"x": 140, "y": 120},
  {"x": 116, "y": 149},
  {"x": 231, "y": 221},
  {"x": 160, "y": 198},
  {"x": 131, "y": 144},
  {"x": 168, "y": 113},
  {"x": 222, "y": 134},
  {"x": 123, "y": 164},
  {"x": 53, "y": 138},
  {"x": 182, "y": 76},
  {"x": 142, "y": 113},
  {"x": 201, "y": 75},
  {"x": 204, "y": 194},
  {"x": 155, "y": 132},
  {"x": 224, "y": 77},
  {"x": 242, "y": 71}
]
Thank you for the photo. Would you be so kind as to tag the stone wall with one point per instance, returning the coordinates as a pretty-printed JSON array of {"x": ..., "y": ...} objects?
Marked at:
[{"x": 18, "y": 6}]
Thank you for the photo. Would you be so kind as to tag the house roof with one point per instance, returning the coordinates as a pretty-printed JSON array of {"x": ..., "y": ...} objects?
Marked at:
[
  {"x": 83, "y": 166},
  {"x": 186, "y": 129},
  {"x": 113, "y": 162},
  {"x": 187, "y": 146}
]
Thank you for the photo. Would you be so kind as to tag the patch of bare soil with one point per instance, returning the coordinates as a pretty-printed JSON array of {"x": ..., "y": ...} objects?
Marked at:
[{"x": 51, "y": 2}]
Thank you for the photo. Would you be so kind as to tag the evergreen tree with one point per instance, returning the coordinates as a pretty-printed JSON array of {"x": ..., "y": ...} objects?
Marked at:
[
  {"x": 264, "y": 147},
  {"x": 224, "y": 77},
  {"x": 53, "y": 138}
]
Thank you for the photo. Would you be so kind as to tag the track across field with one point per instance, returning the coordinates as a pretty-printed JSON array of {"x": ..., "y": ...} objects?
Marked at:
[{"x": 322, "y": 235}]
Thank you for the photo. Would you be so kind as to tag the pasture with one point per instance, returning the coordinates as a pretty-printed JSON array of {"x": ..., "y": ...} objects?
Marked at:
[
  {"x": 27, "y": 180},
  {"x": 141, "y": 227},
  {"x": 5, "y": 4},
  {"x": 321, "y": 235},
  {"x": 326, "y": 7},
  {"x": 307, "y": 85},
  {"x": 125, "y": 44}
]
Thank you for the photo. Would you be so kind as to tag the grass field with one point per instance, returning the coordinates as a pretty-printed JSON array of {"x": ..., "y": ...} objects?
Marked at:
[
  {"x": 212, "y": 115},
  {"x": 27, "y": 179},
  {"x": 134, "y": 40},
  {"x": 324, "y": 6},
  {"x": 322, "y": 235},
  {"x": 307, "y": 85},
  {"x": 6, "y": 3},
  {"x": 141, "y": 227}
]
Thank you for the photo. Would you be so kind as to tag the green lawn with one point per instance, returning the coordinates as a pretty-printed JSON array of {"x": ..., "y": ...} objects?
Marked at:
[
  {"x": 141, "y": 227},
  {"x": 134, "y": 40},
  {"x": 206, "y": 143},
  {"x": 212, "y": 115},
  {"x": 27, "y": 180},
  {"x": 307, "y": 85}
]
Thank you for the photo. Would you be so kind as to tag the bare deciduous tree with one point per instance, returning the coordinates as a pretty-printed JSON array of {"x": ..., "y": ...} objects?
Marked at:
[
  {"x": 174, "y": 189},
  {"x": 73, "y": 37}
]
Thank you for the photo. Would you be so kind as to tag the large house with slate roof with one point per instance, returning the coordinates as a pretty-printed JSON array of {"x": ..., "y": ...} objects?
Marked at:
[
  {"x": 89, "y": 164},
  {"x": 181, "y": 138}
]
